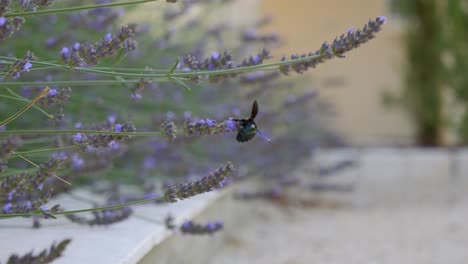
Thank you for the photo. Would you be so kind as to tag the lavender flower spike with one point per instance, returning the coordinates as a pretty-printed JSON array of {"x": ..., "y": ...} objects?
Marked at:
[
  {"x": 346, "y": 42},
  {"x": 8, "y": 146},
  {"x": 205, "y": 184},
  {"x": 55, "y": 252},
  {"x": 189, "y": 227}
]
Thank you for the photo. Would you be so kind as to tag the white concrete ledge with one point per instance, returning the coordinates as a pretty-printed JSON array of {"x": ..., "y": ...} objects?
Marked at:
[{"x": 124, "y": 242}]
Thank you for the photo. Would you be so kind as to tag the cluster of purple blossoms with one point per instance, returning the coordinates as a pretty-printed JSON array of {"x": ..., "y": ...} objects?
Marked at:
[
  {"x": 189, "y": 227},
  {"x": 54, "y": 252},
  {"x": 346, "y": 42},
  {"x": 71, "y": 56},
  {"x": 91, "y": 53},
  {"x": 169, "y": 130},
  {"x": 9, "y": 26},
  {"x": 4, "y": 6},
  {"x": 20, "y": 66},
  {"x": 205, "y": 184},
  {"x": 24, "y": 192},
  {"x": 34, "y": 4},
  {"x": 219, "y": 61},
  {"x": 8, "y": 146},
  {"x": 104, "y": 140},
  {"x": 3, "y": 165},
  {"x": 105, "y": 217},
  {"x": 208, "y": 127},
  {"x": 55, "y": 97}
]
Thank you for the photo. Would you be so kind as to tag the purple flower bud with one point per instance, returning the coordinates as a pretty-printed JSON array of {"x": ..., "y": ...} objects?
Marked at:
[
  {"x": 27, "y": 66},
  {"x": 256, "y": 59},
  {"x": 52, "y": 92},
  {"x": 215, "y": 55},
  {"x": 170, "y": 115},
  {"x": 136, "y": 96},
  {"x": 210, "y": 122},
  {"x": 65, "y": 52},
  {"x": 211, "y": 226},
  {"x": 76, "y": 162},
  {"x": 382, "y": 19},
  {"x": 230, "y": 125},
  {"x": 118, "y": 127},
  {"x": 187, "y": 224},
  {"x": 111, "y": 119},
  {"x": 2, "y": 21},
  {"x": 114, "y": 145},
  {"x": 10, "y": 195},
  {"x": 28, "y": 204},
  {"x": 76, "y": 46},
  {"x": 108, "y": 37},
  {"x": 149, "y": 163},
  {"x": 78, "y": 137},
  {"x": 78, "y": 125},
  {"x": 40, "y": 186},
  {"x": 7, "y": 208}
]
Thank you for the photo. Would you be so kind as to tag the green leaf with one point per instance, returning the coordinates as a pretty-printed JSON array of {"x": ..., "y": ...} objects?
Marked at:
[
  {"x": 123, "y": 81},
  {"x": 174, "y": 67},
  {"x": 181, "y": 83}
]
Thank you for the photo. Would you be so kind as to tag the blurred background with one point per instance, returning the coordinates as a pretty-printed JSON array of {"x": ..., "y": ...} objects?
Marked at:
[{"x": 336, "y": 178}]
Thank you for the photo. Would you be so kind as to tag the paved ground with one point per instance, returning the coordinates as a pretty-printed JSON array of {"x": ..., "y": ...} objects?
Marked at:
[{"x": 315, "y": 233}]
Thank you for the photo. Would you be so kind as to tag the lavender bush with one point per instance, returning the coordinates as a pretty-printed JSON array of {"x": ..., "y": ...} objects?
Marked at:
[{"x": 85, "y": 99}]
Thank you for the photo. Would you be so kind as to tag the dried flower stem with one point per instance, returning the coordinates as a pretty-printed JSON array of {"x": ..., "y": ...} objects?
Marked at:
[
  {"x": 18, "y": 97},
  {"x": 25, "y": 108}
]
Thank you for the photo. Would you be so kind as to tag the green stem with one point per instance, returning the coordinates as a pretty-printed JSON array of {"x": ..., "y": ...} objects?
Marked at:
[
  {"x": 43, "y": 150},
  {"x": 110, "y": 207},
  {"x": 77, "y": 8},
  {"x": 71, "y": 83},
  {"x": 73, "y": 131},
  {"x": 182, "y": 74}
]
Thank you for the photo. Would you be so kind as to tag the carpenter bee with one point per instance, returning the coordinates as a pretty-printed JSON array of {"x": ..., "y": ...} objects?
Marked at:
[{"x": 248, "y": 128}]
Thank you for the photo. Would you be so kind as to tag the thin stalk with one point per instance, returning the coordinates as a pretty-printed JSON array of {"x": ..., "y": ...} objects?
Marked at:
[
  {"x": 20, "y": 98},
  {"x": 75, "y": 131},
  {"x": 76, "y": 8},
  {"x": 26, "y": 100},
  {"x": 182, "y": 74},
  {"x": 27, "y": 160},
  {"x": 110, "y": 207},
  {"x": 43, "y": 150},
  {"x": 25, "y": 108},
  {"x": 95, "y": 83},
  {"x": 37, "y": 166}
]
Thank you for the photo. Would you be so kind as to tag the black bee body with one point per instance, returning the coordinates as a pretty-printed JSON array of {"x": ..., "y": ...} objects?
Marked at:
[{"x": 247, "y": 127}]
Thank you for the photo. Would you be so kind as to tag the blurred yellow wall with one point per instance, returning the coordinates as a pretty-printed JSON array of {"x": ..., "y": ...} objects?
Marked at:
[{"x": 366, "y": 71}]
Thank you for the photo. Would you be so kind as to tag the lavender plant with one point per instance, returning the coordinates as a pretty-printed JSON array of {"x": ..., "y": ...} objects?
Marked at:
[{"x": 133, "y": 106}]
